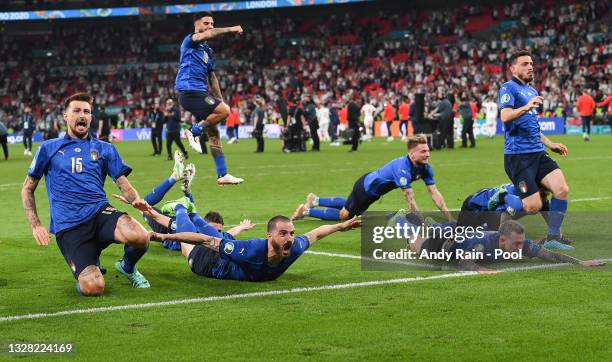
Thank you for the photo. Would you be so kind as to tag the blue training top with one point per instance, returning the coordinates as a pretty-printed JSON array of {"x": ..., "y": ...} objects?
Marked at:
[
  {"x": 248, "y": 259},
  {"x": 523, "y": 134},
  {"x": 399, "y": 173},
  {"x": 196, "y": 62},
  {"x": 75, "y": 171}
]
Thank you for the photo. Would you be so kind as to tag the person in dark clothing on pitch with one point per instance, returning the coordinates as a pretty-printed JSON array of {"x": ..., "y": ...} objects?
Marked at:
[
  {"x": 313, "y": 124},
  {"x": 172, "y": 119},
  {"x": 353, "y": 113},
  {"x": 465, "y": 110},
  {"x": 156, "y": 118},
  {"x": 258, "y": 120}
]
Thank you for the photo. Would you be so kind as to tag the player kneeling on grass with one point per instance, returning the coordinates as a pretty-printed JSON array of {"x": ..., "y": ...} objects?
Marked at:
[
  {"x": 163, "y": 219},
  {"x": 212, "y": 255},
  {"x": 493, "y": 246},
  {"x": 399, "y": 173},
  {"x": 84, "y": 223}
]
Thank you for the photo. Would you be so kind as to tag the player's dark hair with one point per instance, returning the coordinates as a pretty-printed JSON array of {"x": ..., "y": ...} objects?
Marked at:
[
  {"x": 201, "y": 14},
  {"x": 416, "y": 140},
  {"x": 510, "y": 226},
  {"x": 81, "y": 96},
  {"x": 273, "y": 221},
  {"x": 517, "y": 54},
  {"x": 213, "y": 216}
]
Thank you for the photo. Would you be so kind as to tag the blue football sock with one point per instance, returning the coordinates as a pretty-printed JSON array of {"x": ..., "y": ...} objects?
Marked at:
[
  {"x": 183, "y": 222},
  {"x": 204, "y": 227},
  {"x": 220, "y": 164},
  {"x": 556, "y": 215},
  {"x": 514, "y": 202},
  {"x": 131, "y": 255},
  {"x": 190, "y": 197},
  {"x": 335, "y": 202},
  {"x": 325, "y": 214},
  {"x": 159, "y": 191}
]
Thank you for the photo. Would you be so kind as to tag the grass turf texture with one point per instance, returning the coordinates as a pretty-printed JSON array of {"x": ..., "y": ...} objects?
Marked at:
[{"x": 556, "y": 314}]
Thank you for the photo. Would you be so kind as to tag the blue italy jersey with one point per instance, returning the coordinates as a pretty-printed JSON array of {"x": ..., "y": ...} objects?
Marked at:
[
  {"x": 197, "y": 60},
  {"x": 248, "y": 259},
  {"x": 398, "y": 173},
  {"x": 75, "y": 171},
  {"x": 523, "y": 134},
  {"x": 489, "y": 242}
]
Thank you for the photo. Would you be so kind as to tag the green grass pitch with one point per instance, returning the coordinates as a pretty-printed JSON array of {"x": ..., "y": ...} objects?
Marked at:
[{"x": 557, "y": 314}]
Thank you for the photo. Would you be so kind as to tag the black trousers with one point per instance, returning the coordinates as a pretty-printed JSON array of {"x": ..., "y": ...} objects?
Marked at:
[
  {"x": 447, "y": 133},
  {"x": 468, "y": 130},
  {"x": 3, "y": 142},
  {"x": 27, "y": 140},
  {"x": 156, "y": 140},
  {"x": 258, "y": 134},
  {"x": 176, "y": 138},
  {"x": 355, "y": 136},
  {"x": 314, "y": 127}
]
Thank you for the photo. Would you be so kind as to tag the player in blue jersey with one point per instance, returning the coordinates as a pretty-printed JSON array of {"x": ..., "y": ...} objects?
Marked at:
[
  {"x": 510, "y": 238},
  {"x": 399, "y": 173},
  {"x": 84, "y": 223},
  {"x": 527, "y": 164},
  {"x": 215, "y": 256},
  {"x": 199, "y": 91}
]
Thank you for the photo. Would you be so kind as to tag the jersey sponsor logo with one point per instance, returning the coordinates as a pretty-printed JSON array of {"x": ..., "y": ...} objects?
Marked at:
[
  {"x": 505, "y": 98},
  {"x": 228, "y": 248},
  {"x": 403, "y": 181},
  {"x": 523, "y": 187},
  {"x": 95, "y": 155},
  {"x": 77, "y": 150},
  {"x": 61, "y": 151}
]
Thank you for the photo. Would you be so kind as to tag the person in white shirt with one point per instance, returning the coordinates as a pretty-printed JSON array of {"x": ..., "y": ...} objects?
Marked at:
[
  {"x": 323, "y": 118},
  {"x": 490, "y": 108},
  {"x": 367, "y": 112}
]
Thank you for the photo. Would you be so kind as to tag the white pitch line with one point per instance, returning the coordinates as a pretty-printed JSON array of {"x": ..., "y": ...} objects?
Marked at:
[{"x": 268, "y": 293}]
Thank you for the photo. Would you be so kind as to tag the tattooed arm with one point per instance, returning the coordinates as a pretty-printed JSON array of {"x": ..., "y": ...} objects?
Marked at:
[
  {"x": 130, "y": 194},
  {"x": 189, "y": 238},
  {"x": 215, "y": 32},
  {"x": 551, "y": 256},
  {"x": 29, "y": 205}
]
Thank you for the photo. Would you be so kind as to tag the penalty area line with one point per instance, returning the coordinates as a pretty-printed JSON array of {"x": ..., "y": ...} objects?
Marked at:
[{"x": 267, "y": 293}]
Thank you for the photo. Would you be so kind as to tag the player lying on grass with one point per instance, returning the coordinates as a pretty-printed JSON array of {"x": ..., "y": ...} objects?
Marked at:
[
  {"x": 212, "y": 255},
  {"x": 510, "y": 238},
  {"x": 399, "y": 173},
  {"x": 163, "y": 219},
  {"x": 489, "y": 207},
  {"x": 84, "y": 223}
]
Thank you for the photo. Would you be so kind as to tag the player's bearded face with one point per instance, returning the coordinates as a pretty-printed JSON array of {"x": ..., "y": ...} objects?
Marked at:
[
  {"x": 523, "y": 69},
  {"x": 282, "y": 238},
  {"x": 78, "y": 118}
]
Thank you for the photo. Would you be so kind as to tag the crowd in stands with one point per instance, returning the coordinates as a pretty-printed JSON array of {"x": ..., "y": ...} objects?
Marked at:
[{"x": 380, "y": 56}]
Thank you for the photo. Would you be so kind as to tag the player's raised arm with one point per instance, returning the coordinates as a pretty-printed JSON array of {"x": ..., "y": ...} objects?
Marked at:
[
  {"x": 564, "y": 258},
  {"x": 510, "y": 114},
  {"x": 438, "y": 199},
  {"x": 325, "y": 230},
  {"x": 29, "y": 205},
  {"x": 130, "y": 194},
  {"x": 215, "y": 32}
]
